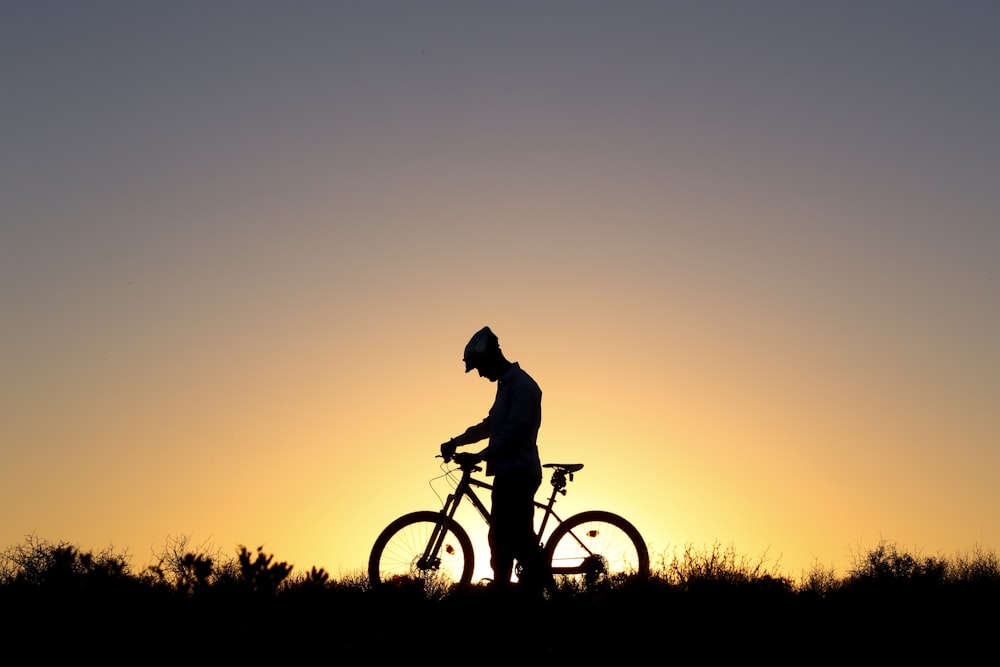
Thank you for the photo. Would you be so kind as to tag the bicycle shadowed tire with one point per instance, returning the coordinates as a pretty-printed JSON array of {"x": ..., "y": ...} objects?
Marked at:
[
  {"x": 597, "y": 544},
  {"x": 396, "y": 556}
]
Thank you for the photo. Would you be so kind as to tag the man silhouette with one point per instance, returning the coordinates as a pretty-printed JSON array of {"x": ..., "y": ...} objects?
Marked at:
[{"x": 511, "y": 458}]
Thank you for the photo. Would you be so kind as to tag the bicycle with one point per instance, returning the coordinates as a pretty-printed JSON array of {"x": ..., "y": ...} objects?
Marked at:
[{"x": 432, "y": 549}]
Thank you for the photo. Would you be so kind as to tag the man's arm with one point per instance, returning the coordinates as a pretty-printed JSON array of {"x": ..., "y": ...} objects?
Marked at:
[{"x": 480, "y": 431}]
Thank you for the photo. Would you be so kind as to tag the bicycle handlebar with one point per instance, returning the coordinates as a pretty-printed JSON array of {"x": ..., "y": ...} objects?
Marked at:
[{"x": 464, "y": 460}]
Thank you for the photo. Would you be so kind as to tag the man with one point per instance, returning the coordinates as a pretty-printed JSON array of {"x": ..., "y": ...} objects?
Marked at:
[{"x": 511, "y": 458}]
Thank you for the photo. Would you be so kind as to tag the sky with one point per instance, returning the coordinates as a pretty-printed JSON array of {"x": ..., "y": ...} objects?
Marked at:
[{"x": 750, "y": 251}]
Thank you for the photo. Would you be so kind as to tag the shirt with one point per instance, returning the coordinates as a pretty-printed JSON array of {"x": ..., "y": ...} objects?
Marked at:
[{"x": 512, "y": 425}]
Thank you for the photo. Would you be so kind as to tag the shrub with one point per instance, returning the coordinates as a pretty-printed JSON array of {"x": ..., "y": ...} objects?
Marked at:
[
  {"x": 980, "y": 566},
  {"x": 819, "y": 581},
  {"x": 260, "y": 574},
  {"x": 886, "y": 564},
  {"x": 719, "y": 566},
  {"x": 38, "y": 562},
  {"x": 189, "y": 569}
]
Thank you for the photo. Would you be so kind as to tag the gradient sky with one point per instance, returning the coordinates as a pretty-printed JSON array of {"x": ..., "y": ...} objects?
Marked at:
[{"x": 749, "y": 250}]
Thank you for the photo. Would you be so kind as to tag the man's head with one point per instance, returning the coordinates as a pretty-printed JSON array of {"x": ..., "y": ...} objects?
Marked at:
[{"x": 483, "y": 354}]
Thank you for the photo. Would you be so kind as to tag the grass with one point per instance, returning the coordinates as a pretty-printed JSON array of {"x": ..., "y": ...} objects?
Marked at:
[
  {"x": 196, "y": 599},
  {"x": 184, "y": 569}
]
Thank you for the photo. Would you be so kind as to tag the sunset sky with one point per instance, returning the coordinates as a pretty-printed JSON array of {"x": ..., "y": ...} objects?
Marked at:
[{"x": 749, "y": 250}]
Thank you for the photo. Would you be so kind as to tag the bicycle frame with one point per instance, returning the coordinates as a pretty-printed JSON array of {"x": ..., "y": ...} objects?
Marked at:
[{"x": 466, "y": 488}]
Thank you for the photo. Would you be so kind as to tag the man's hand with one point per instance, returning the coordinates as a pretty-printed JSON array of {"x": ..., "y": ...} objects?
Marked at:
[
  {"x": 448, "y": 450},
  {"x": 467, "y": 458}
]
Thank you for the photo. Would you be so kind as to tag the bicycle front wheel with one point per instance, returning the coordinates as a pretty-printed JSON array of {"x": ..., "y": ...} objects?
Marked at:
[
  {"x": 422, "y": 549},
  {"x": 597, "y": 545}
]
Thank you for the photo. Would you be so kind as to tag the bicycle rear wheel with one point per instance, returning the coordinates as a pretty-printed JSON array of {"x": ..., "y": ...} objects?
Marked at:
[
  {"x": 403, "y": 554},
  {"x": 596, "y": 545}
]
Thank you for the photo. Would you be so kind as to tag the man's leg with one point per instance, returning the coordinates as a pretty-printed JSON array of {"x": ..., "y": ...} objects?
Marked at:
[
  {"x": 528, "y": 553},
  {"x": 512, "y": 525},
  {"x": 503, "y": 528}
]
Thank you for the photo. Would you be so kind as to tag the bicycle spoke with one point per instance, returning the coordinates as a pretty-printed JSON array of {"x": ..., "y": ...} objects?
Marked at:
[{"x": 399, "y": 556}]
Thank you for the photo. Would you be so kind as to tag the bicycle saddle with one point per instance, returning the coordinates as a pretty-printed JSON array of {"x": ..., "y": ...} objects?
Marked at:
[{"x": 565, "y": 467}]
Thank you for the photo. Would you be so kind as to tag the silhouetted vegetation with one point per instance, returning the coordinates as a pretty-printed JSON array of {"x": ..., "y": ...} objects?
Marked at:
[{"x": 198, "y": 601}]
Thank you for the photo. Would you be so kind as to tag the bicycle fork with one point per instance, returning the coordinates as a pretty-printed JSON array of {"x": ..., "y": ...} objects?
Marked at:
[{"x": 431, "y": 558}]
